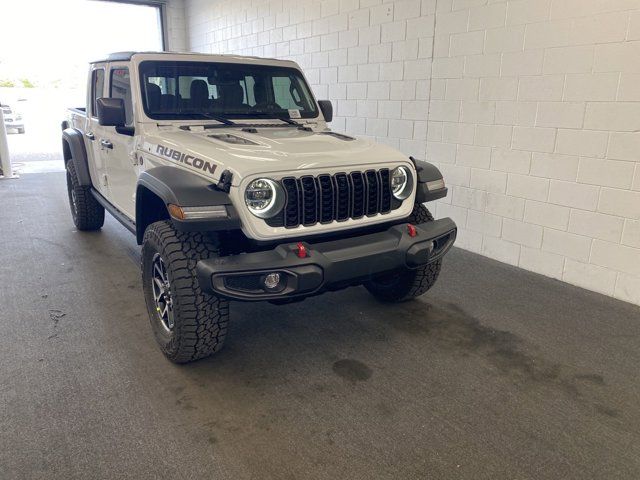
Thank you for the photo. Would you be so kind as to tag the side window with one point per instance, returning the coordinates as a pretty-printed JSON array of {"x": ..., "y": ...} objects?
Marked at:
[
  {"x": 97, "y": 87},
  {"x": 120, "y": 87}
]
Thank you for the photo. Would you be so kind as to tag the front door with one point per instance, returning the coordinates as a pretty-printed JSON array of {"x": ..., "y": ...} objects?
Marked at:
[
  {"x": 97, "y": 166},
  {"x": 118, "y": 149}
]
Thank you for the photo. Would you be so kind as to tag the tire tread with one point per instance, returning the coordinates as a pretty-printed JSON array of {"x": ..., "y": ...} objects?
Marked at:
[
  {"x": 201, "y": 318},
  {"x": 89, "y": 214},
  {"x": 411, "y": 283}
]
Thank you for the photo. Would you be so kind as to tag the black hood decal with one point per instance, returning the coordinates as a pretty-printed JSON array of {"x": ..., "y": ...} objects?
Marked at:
[{"x": 190, "y": 160}]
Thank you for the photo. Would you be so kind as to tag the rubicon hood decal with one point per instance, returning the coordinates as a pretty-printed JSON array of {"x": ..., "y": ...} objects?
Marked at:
[{"x": 190, "y": 160}]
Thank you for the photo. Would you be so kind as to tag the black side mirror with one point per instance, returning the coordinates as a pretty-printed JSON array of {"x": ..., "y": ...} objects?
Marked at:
[
  {"x": 111, "y": 112},
  {"x": 327, "y": 109}
]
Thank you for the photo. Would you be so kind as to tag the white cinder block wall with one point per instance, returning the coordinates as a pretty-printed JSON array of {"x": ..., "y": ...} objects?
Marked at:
[
  {"x": 535, "y": 121},
  {"x": 372, "y": 59},
  {"x": 531, "y": 108},
  {"x": 176, "y": 26}
]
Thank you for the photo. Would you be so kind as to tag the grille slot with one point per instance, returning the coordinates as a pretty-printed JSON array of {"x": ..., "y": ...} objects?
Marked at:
[
  {"x": 325, "y": 198},
  {"x": 343, "y": 197},
  {"x": 358, "y": 189},
  {"x": 373, "y": 192},
  {"x": 291, "y": 209},
  {"x": 309, "y": 201}
]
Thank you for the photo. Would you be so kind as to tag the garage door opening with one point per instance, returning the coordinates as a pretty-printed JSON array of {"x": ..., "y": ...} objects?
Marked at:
[{"x": 44, "y": 60}]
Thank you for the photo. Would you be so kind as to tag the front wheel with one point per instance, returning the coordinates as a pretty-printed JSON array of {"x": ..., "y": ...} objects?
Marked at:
[
  {"x": 405, "y": 284},
  {"x": 187, "y": 322},
  {"x": 86, "y": 212}
]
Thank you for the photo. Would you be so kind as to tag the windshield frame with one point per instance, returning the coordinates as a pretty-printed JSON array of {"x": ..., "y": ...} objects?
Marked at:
[{"x": 195, "y": 116}]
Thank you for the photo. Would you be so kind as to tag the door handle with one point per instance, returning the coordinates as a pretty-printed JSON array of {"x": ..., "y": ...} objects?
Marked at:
[
  {"x": 106, "y": 143},
  {"x": 90, "y": 136}
]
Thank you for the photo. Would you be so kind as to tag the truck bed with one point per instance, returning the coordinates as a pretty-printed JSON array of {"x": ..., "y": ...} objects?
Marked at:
[{"x": 76, "y": 117}]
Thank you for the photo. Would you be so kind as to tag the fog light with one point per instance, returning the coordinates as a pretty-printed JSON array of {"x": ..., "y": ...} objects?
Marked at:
[{"x": 271, "y": 281}]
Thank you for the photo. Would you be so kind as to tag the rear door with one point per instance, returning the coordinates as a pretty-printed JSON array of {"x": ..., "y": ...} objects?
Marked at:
[{"x": 117, "y": 149}]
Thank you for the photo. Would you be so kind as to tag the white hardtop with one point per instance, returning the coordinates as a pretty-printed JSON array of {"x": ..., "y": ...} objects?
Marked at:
[{"x": 138, "y": 57}]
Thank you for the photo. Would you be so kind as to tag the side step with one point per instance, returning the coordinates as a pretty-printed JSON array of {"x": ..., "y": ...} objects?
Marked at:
[{"x": 117, "y": 214}]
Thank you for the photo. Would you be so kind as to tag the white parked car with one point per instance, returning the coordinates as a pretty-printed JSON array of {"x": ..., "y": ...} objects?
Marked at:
[
  {"x": 227, "y": 173},
  {"x": 12, "y": 119}
]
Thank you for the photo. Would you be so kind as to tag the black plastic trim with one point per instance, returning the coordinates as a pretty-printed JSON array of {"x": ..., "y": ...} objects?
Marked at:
[
  {"x": 423, "y": 194},
  {"x": 179, "y": 187},
  {"x": 342, "y": 262},
  {"x": 427, "y": 172},
  {"x": 74, "y": 149},
  {"x": 117, "y": 214}
]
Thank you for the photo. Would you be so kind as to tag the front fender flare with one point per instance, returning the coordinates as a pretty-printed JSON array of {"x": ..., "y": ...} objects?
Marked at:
[
  {"x": 179, "y": 187},
  {"x": 73, "y": 149},
  {"x": 430, "y": 182}
]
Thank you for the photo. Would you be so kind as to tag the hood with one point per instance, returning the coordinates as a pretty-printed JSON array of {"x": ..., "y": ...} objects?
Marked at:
[{"x": 265, "y": 150}]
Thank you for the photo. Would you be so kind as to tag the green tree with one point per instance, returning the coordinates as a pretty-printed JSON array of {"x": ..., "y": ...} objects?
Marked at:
[
  {"x": 6, "y": 83},
  {"x": 26, "y": 83}
]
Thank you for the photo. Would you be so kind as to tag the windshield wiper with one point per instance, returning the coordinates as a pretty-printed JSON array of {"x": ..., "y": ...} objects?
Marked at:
[
  {"x": 293, "y": 123},
  {"x": 217, "y": 118},
  {"x": 270, "y": 115},
  {"x": 224, "y": 122}
]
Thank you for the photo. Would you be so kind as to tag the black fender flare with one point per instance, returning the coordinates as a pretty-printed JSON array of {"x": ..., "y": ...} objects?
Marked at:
[
  {"x": 179, "y": 187},
  {"x": 74, "y": 149},
  {"x": 431, "y": 184}
]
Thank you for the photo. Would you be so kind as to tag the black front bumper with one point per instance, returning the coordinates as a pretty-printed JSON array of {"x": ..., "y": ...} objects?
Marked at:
[{"x": 327, "y": 265}]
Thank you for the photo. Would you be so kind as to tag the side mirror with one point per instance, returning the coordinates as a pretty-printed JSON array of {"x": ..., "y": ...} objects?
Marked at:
[
  {"x": 111, "y": 112},
  {"x": 327, "y": 109}
]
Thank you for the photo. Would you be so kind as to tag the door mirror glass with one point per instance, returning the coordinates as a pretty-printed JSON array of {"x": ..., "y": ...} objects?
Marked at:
[
  {"x": 327, "y": 109},
  {"x": 111, "y": 112}
]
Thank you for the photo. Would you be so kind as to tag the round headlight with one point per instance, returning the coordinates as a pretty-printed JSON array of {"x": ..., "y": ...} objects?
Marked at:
[
  {"x": 264, "y": 197},
  {"x": 401, "y": 183}
]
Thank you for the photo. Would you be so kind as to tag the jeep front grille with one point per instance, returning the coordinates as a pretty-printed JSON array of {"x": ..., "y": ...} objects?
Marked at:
[{"x": 325, "y": 198}]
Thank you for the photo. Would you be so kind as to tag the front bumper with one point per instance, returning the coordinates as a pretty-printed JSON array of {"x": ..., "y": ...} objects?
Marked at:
[{"x": 327, "y": 265}]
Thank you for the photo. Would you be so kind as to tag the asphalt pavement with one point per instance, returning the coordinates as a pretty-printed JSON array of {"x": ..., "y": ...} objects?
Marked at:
[{"x": 496, "y": 373}]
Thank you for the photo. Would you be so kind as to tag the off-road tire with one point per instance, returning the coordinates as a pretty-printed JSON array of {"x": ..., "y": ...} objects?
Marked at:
[
  {"x": 405, "y": 284},
  {"x": 200, "y": 319},
  {"x": 86, "y": 212}
]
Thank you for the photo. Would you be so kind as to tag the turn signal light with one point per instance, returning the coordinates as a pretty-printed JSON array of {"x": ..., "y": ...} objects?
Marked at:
[{"x": 175, "y": 211}]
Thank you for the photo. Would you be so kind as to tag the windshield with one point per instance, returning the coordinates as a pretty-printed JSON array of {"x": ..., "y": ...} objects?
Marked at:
[{"x": 201, "y": 90}]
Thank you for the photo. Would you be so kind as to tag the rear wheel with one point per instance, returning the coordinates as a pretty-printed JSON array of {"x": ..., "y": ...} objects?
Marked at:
[
  {"x": 21, "y": 130},
  {"x": 187, "y": 322},
  {"x": 405, "y": 284},
  {"x": 86, "y": 212}
]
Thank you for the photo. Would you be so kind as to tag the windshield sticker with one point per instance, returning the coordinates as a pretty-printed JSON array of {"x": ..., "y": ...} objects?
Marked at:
[
  {"x": 294, "y": 113},
  {"x": 190, "y": 160}
]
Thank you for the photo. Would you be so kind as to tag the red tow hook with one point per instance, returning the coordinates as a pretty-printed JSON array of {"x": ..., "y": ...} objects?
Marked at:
[
  {"x": 412, "y": 230},
  {"x": 301, "y": 251}
]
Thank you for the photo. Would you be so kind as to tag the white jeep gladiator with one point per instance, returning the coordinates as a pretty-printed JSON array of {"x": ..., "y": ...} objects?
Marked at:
[{"x": 227, "y": 173}]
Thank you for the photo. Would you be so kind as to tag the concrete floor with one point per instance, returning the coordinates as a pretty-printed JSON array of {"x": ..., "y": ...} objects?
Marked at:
[{"x": 496, "y": 373}]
